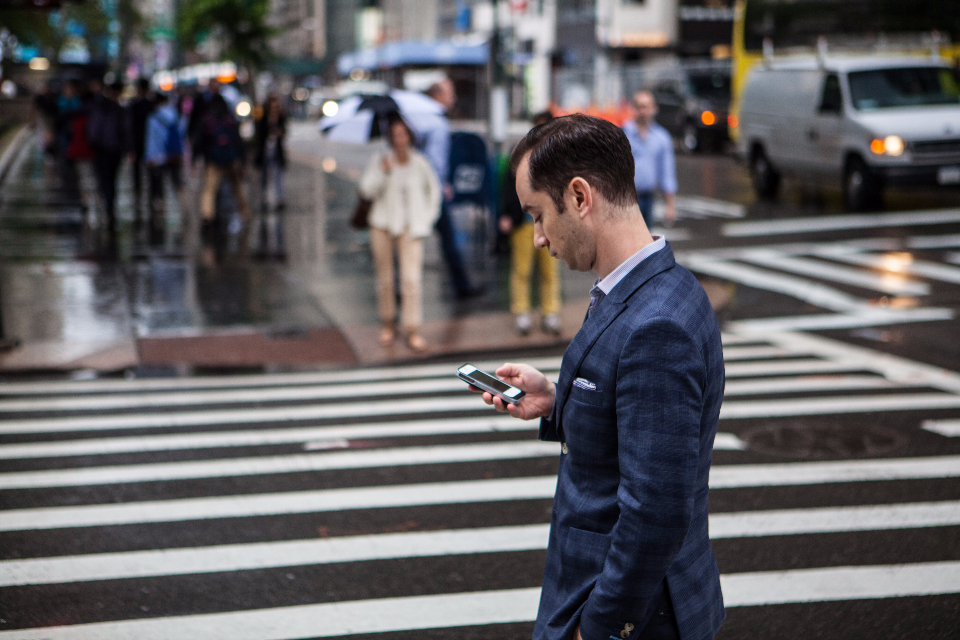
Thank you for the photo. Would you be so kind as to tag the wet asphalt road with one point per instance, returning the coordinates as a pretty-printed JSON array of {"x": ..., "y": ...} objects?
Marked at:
[{"x": 835, "y": 493}]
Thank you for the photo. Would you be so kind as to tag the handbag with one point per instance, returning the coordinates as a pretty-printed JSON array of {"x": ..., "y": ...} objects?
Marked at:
[{"x": 361, "y": 213}]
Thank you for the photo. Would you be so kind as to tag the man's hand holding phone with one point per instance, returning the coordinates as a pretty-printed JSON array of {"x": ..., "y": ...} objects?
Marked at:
[{"x": 540, "y": 392}]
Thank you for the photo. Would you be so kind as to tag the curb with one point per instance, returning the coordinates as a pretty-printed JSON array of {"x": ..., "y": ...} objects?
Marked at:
[{"x": 14, "y": 145}]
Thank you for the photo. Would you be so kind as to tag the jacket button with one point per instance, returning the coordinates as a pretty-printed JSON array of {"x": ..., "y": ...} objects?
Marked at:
[
  {"x": 564, "y": 448},
  {"x": 628, "y": 627},
  {"x": 624, "y": 634}
]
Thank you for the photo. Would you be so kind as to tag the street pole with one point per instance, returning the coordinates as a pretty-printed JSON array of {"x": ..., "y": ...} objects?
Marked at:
[{"x": 499, "y": 101}]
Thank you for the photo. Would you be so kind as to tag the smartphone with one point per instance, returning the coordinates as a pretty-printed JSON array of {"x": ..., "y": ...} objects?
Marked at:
[{"x": 483, "y": 380}]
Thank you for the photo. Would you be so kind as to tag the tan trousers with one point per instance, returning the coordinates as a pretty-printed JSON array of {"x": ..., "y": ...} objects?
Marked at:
[
  {"x": 409, "y": 253},
  {"x": 522, "y": 255},
  {"x": 211, "y": 184}
]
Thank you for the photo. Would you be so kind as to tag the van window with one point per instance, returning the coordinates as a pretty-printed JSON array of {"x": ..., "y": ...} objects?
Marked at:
[
  {"x": 831, "y": 100},
  {"x": 907, "y": 87}
]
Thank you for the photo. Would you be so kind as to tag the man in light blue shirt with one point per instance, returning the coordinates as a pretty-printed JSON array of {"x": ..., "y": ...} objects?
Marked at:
[{"x": 654, "y": 164}]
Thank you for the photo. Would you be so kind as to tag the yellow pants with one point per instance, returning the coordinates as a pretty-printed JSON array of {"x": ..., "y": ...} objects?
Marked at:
[{"x": 522, "y": 255}]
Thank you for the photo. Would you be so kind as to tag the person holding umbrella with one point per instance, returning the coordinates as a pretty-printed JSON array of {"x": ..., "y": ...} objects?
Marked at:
[{"x": 405, "y": 196}]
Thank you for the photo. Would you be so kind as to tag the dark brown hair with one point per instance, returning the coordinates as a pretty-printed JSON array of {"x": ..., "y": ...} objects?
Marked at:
[{"x": 578, "y": 145}]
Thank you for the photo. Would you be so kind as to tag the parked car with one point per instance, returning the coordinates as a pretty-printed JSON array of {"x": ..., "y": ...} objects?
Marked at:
[
  {"x": 861, "y": 122},
  {"x": 693, "y": 99}
]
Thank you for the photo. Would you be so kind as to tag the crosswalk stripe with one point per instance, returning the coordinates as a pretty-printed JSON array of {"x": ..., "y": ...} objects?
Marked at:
[
  {"x": 817, "y": 294},
  {"x": 730, "y": 410},
  {"x": 500, "y": 607},
  {"x": 265, "y": 380},
  {"x": 262, "y": 465},
  {"x": 840, "y": 583},
  {"x": 931, "y": 270},
  {"x": 527, "y": 488},
  {"x": 806, "y": 384},
  {"x": 236, "y": 506},
  {"x": 838, "y": 404},
  {"x": 369, "y": 409},
  {"x": 804, "y": 473},
  {"x": 261, "y": 555},
  {"x": 821, "y": 224},
  {"x": 264, "y": 437},
  {"x": 410, "y": 386},
  {"x": 948, "y": 428},
  {"x": 866, "y": 317},
  {"x": 313, "y": 621},
  {"x": 836, "y": 273},
  {"x": 310, "y": 437}
]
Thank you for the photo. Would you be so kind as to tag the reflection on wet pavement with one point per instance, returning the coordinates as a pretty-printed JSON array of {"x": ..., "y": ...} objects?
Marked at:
[{"x": 65, "y": 306}]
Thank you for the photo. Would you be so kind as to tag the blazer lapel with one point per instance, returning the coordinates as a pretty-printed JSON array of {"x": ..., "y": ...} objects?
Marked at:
[{"x": 604, "y": 314}]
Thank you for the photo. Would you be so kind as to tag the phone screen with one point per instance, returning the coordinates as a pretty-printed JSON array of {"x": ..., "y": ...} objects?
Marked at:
[{"x": 490, "y": 381}]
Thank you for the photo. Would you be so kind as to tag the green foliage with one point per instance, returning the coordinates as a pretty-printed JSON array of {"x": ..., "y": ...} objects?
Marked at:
[{"x": 241, "y": 25}]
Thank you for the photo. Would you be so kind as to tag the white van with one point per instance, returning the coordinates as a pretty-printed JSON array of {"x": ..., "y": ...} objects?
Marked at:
[{"x": 860, "y": 122}]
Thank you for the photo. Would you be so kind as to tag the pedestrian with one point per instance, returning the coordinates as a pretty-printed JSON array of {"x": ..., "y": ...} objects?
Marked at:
[
  {"x": 271, "y": 158},
  {"x": 655, "y": 166},
  {"x": 139, "y": 110},
  {"x": 163, "y": 153},
  {"x": 271, "y": 129},
  {"x": 636, "y": 404},
  {"x": 523, "y": 253},
  {"x": 435, "y": 143},
  {"x": 406, "y": 202},
  {"x": 45, "y": 118},
  {"x": 224, "y": 156},
  {"x": 108, "y": 132}
]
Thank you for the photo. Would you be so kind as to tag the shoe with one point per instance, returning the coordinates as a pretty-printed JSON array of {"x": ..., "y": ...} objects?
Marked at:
[
  {"x": 387, "y": 335},
  {"x": 416, "y": 342},
  {"x": 551, "y": 324},
  {"x": 524, "y": 323}
]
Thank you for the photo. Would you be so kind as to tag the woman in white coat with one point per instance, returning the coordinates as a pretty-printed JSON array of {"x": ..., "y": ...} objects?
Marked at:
[{"x": 406, "y": 204}]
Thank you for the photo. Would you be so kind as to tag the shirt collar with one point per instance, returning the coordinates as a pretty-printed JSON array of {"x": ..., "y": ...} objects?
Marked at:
[{"x": 614, "y": 277}]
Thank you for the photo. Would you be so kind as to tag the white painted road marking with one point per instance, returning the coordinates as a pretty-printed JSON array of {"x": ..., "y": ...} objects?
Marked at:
[
  {"x": 501, "y": 607},
  {"x": 948, "y": 428},
  {"x": 528, "y": 488},
  {"x": 822, "y": 224},
  {"x": 243, "y": 557},
  {"x": 263, "y": 465}
]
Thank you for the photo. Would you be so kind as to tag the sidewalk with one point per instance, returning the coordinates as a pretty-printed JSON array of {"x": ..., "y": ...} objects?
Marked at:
[{"x": 164, "y": 312}]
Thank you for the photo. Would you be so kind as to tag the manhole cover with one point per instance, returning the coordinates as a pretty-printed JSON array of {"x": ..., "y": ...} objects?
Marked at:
[{"x": 823, "y": 440}]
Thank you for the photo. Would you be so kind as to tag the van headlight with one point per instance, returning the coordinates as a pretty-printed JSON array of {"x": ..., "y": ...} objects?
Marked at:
[{"x": 891, "y": 146}]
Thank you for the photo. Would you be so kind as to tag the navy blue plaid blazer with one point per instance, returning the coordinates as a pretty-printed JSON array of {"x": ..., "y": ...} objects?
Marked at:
[{"x": 637, "y": 406}]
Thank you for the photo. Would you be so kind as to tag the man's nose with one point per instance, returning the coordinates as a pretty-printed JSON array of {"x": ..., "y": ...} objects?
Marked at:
[{"x": 539, "y": 240}]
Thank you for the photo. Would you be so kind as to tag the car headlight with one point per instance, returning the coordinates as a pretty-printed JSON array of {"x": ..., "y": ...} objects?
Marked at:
[
  {"x": 891, "y": 146},
  {"x": 243, "y": 109},
  {"x": 330, "y": 108}
]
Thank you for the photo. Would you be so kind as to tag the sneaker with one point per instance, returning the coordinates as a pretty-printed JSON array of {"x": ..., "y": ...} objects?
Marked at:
[
  {"x": 524, "y": 323},
  {"x": 551, "y": 324}
]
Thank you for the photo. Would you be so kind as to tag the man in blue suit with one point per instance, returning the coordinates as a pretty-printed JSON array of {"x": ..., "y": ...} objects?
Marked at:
[{"x": 636, "y": 405}]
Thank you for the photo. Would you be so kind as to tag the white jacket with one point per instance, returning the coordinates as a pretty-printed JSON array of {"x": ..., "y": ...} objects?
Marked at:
[{"x": 385, "y": 191}]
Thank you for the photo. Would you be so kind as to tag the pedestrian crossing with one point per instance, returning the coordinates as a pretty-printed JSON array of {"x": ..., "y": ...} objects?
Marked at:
[
  {"x": 335, "y": 504},
  {"x": 858, "y": 282}
]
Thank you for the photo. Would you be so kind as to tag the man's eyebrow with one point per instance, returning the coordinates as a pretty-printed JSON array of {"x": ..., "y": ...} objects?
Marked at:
[{"x": 529, "y": 208}]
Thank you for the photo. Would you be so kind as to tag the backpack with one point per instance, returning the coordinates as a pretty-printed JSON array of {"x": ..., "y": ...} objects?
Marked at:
[
  {"x": 173, "y": 146},
  {"x": 224, "y": 141}
]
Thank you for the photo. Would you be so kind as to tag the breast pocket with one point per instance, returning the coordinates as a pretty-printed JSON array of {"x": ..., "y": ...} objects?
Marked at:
[{"x": 582, "y": 395}]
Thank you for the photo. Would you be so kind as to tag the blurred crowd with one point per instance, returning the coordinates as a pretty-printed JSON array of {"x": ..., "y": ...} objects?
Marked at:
[{"x": 92, "y": 131}]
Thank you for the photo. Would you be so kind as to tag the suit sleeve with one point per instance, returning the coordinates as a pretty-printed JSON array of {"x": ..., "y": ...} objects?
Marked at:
[{"x": 659, "y": 401}]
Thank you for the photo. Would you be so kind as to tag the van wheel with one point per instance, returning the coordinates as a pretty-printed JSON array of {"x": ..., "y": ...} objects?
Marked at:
[
  {"x": 766, "y": 180},
  {"x": 691, "y": 139},
  {"x": 861, "y": 189}
]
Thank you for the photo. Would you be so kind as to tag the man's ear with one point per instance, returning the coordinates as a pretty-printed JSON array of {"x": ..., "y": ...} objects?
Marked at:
[{"x": 581, "y": 196}]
